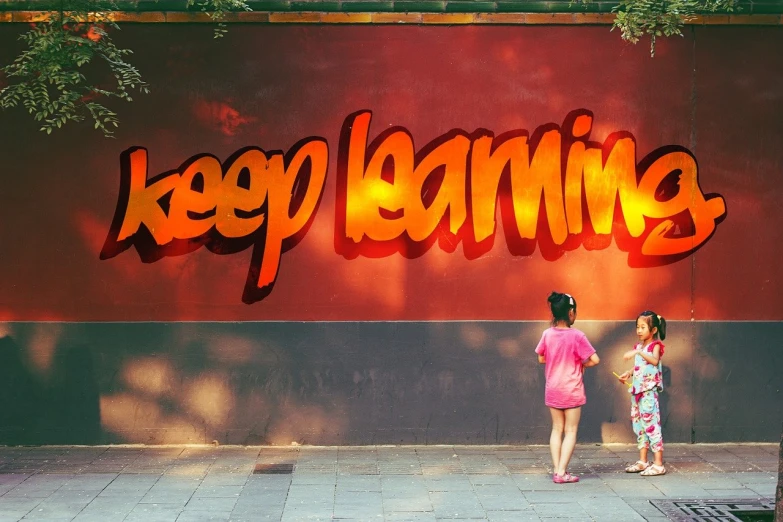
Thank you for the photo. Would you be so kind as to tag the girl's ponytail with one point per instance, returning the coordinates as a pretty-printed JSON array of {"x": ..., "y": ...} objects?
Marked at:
[
  {"x": 560, "y": 304},
  {"x": 661, "y": 327}
]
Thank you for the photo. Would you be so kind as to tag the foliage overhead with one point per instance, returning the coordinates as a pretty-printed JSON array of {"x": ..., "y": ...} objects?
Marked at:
[
  {"x": 50, "y": 77},
  {"x": 58, "y": 77},
  {"x": 655, "y": 18}
]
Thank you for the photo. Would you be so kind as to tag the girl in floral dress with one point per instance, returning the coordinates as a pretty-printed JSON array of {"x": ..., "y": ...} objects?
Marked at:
[{"x": 646, "y": 383}]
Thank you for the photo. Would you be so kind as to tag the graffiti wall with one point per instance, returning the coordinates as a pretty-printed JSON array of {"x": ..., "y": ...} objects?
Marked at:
[{"x": 347, "y": 234}]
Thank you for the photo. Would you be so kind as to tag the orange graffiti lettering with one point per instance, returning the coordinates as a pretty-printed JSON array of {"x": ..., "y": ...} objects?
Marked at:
[
  {"x": 254, "y": 198},
  {"x": 555, "y": 188}
]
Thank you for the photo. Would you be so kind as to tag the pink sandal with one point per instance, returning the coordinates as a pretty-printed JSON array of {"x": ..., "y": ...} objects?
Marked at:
[{"x": 565, "y": 478}]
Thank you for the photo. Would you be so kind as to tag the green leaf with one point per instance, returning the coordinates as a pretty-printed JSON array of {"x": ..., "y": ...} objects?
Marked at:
[{"x": 46, "y": 77}]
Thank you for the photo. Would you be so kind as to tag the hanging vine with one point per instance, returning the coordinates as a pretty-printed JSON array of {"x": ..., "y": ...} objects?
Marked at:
[
  {"x": 659, "y": 18},
  {"x": 59, "y": 76},
  {"x": 54, "y": 78}
]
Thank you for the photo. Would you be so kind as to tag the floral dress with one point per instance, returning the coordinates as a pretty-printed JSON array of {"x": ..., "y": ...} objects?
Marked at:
[{"x": 645, "y": 408}]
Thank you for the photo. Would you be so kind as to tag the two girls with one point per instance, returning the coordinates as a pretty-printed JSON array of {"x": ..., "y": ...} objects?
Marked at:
[{"x": 566, "y": 352}]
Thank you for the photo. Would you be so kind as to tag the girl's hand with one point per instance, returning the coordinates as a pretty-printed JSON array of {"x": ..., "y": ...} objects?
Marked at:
[
  {"x": 624, "y": 377},
  {"x": 630, "y": 354}
]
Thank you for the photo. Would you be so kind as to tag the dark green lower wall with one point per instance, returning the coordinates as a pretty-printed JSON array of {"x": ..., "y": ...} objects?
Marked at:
[{"x": 351, "y": 383}]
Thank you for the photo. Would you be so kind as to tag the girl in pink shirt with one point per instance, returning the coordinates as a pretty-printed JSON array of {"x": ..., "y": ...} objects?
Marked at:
[{"x": 566, "y": 352}]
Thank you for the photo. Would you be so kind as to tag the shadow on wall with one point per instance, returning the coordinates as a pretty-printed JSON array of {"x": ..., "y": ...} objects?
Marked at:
[
  {"x": 278, "y": 383},
  {"x": 601, "y": 388},
  {"x": 362, "y": 383},
  {"x": 61, "y": 408}
]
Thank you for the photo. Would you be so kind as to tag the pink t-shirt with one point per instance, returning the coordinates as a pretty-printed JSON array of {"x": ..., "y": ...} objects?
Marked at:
[{"x": 565, "y": 349}]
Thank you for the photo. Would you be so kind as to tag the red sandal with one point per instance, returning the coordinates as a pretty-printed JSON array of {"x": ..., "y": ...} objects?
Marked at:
[{"x": 565, "y": 478}]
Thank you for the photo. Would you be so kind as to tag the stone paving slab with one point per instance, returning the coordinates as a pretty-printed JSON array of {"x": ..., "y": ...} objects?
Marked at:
[{"x": 384, "y": 483}]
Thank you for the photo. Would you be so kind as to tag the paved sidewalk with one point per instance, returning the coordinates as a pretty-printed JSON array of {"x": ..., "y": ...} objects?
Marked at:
[{"x": 383, "y": 483}]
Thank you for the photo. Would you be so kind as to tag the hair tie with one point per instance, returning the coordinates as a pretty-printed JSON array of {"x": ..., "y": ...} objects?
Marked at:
[{"x": 570, "y": 299}]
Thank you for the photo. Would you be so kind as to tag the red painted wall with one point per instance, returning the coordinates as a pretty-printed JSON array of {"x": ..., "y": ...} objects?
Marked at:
[{"x": 718, "y": 92}]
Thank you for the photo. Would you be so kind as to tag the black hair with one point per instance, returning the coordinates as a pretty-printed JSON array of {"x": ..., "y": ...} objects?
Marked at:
[
  {"x": 654, "y": 320},
  {"x": 560, "y": 304}
]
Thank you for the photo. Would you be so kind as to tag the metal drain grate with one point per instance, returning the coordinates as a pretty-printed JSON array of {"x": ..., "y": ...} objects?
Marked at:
[
  {"x": 273, "y": 469},
  {"x": 724, "y": 509}
]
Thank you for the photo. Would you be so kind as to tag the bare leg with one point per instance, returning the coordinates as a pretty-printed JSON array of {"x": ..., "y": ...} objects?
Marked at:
[
  {"x": 643, "y": 454},
  {"x": 572, "y": 416},
  {"x": 556, "y": 437},
  {"x": 658, "y": 457}
]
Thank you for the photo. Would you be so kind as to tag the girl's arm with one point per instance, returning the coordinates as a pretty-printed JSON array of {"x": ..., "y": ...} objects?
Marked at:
[
  {"x": 651, "y": 358},
  {"x": 592, "y": 361}
]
